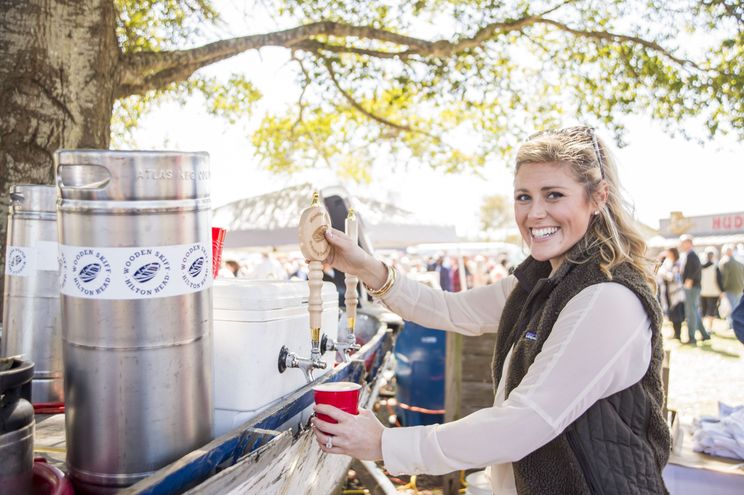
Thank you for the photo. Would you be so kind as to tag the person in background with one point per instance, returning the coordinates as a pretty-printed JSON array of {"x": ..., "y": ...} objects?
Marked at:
[
  {"x": 233, "y": 266},
  {"x": 269, "y": 268},
  {"x": 737, "y": 320},
  {"x": 577, "y": 363},
  {"x": 691, "y": 282},
  {"x": 338, "y": 279},
  {"x": 499, "y": 270},
  {"x": 671, "y": 291},
  {"x": 229, "y": 269},
  {"x": 732, "y": 278},
  {"x": 443, "y": 268},
  {"x": 739, "y": 252},
  {"x": 710, "y": 288}
]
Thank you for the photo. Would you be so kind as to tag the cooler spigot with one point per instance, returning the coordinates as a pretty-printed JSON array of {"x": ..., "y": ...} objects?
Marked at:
[
  {"x": 314, "y": 222},
  {"x": 344, "y": 347},
  {"x": 306, "y": 365}
]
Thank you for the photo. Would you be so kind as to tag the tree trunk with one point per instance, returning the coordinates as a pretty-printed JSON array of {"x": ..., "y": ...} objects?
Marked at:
[{"x": 57, "y": 81}]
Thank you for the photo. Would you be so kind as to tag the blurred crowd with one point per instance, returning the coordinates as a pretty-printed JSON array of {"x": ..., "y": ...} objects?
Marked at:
[
  {"x": 454, "y": 273},
  {"x": 697, "y": 286}
]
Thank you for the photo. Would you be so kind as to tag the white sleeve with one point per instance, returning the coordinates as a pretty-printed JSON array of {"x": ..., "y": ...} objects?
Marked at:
[
  {"x": 471, "y": 312},
  {"x": 599, "y": 345}
]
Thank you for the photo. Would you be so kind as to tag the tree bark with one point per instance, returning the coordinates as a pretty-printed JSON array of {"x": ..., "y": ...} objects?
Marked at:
[{"x": 56, "y": 87}]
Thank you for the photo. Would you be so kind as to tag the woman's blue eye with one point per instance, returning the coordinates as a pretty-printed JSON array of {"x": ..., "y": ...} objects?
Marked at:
[
  {"x": 522, "y": 197},
  {"x": 554, "y": 195}
]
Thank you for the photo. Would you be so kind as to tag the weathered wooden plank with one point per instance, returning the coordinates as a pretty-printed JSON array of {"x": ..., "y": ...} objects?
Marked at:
[
  {"x": 476, "y": 368},
  {"x": 283, "y": 467},
  {"x": 453, "y": 397},
  {"x": 481, "y": 345},
  {"x": 247, "y": 467},
  {"x": 202, "y": 464},
  {"x": 49, "y": 439},
  {"x": 372, "y": 478}
]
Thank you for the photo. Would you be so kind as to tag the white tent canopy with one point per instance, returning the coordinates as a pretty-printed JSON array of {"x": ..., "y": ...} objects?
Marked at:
[{"x": 271, "y": 219}]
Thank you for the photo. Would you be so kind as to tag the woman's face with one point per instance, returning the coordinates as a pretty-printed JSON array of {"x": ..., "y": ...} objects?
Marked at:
[{"x": 551, "y": 210}]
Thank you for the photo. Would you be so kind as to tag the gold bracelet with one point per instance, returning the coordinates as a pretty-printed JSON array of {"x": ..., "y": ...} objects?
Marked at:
[{"x": 389, "y": 282}]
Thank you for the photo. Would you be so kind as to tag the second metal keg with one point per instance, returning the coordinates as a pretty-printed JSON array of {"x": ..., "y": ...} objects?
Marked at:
[
  {"x": 16, "y": 426},
  {"x": 135, "y": 250},
  {"x": 31, "y": 320}
]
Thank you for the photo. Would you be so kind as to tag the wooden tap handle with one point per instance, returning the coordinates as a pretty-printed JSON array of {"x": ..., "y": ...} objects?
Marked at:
[
  {"x": 315, "y": 300},
  {"x": 314, "y": 222},
  {"x": 350, "y": 298}
]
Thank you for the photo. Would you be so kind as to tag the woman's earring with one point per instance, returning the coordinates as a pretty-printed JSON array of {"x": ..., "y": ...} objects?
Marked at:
[{"x": 596, "y": 212}]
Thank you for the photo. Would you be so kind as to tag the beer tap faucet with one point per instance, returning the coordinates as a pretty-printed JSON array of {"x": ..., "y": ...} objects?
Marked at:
[
  {"x": 314, "y": 222},
  {"x": 347, "y": 345}
]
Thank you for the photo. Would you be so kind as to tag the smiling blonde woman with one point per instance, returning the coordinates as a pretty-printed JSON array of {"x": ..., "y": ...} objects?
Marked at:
[{"x": 577, "y": 363}]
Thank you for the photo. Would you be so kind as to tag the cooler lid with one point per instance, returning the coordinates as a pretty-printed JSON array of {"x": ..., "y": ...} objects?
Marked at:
[{"x": 261, "y": 295}]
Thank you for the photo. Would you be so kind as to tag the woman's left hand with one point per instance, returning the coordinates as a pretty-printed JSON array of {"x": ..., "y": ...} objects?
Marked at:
[{"x": 357, "y": 436}]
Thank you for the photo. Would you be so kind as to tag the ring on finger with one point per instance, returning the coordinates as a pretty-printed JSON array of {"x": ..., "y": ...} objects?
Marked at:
[{"x": 329, "y": 443}]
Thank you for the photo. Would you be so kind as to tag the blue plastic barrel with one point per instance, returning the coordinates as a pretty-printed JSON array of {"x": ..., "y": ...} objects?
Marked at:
[{"x": 420, "y": 357}]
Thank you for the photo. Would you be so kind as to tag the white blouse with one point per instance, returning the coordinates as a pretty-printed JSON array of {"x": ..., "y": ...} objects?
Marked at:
[{"x": 599, "y": 345}]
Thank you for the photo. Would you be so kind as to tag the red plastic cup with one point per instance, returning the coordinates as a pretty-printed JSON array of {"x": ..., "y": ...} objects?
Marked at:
[
  {"x": 343, "y": 395},
  {"x": 218, "y": 240}
]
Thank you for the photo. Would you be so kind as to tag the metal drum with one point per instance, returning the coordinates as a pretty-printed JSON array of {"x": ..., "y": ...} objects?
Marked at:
[
  {"x": 136, "y": 294},
  {"x": 31, "y": 320},
  {"x": 16, "y": 426}
]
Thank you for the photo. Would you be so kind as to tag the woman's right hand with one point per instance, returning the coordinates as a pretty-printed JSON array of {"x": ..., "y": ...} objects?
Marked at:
[{"x": 348, "y": 257}]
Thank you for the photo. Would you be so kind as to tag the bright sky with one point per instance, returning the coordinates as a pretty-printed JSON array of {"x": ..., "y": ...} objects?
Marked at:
[{"x": 660, "y": 174}]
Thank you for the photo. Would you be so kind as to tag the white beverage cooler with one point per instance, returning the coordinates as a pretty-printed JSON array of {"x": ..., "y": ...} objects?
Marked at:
[{"x": 253, "y": 319}]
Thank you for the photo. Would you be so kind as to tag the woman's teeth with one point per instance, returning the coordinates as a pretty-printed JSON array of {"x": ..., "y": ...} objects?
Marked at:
[{"x": 544, "y": 232}]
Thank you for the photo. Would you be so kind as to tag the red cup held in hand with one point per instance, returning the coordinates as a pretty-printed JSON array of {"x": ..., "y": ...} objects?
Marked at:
[
  {"x": 343, "y": 395},
  {"x": 218, "y": 240}
]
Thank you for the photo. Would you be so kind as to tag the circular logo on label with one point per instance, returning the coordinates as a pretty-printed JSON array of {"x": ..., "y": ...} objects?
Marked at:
[
  {"x": 147, "y": 272},
  {"x": 91, "y": 272},
  {"x": 17, "y": 261},
  {"x": 195, "y": 267}
]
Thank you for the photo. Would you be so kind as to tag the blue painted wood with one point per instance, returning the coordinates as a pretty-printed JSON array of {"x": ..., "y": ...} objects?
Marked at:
[{"x": 197, "y": 466}]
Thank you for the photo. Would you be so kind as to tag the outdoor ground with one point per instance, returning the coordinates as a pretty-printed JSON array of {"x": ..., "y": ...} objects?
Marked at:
[{"x": 699, "y": 377}]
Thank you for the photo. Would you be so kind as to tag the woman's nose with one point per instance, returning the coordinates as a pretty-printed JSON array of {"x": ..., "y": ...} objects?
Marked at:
[{"x": 537, "y": 210}]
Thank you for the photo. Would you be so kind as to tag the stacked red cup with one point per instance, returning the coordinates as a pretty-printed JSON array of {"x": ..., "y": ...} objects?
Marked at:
[{"x": 218, "y": 240}]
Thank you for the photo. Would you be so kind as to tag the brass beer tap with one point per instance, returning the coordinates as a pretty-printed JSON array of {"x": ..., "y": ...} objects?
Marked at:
[
  {"x": 347, "y": 345},
  {"x": 314, "y": 222}
]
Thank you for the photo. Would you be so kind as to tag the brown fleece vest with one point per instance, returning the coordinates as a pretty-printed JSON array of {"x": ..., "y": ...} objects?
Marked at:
[{"x": 621, "y": 443}]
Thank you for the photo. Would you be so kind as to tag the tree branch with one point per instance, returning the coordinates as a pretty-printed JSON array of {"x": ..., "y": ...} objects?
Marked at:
[
  {"x": 358, "y": 106},
  {"x": 316, "y": 47},
  {"x": 607, "y": 36},
  {"x": 140, "y": 72},
  {"x": 305, "y": 84}
]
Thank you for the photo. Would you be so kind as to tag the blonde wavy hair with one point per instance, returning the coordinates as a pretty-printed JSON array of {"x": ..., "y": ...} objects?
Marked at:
[{"x": 613, "y": 233}]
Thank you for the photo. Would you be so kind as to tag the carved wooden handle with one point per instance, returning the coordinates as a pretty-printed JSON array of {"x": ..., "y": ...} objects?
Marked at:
[
  {"x": 315, "y": 300},
  {"x": 350, "y": 299},
  {"x": 314, "y": 222}
]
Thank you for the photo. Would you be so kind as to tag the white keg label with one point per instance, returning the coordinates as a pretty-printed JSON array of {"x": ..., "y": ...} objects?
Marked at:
[
  {"x": 19, "y": 261},
  {"x": 47, "y": 253},
  {"x": 134, "y": 272},
  {"x": 23, "y": 261}
]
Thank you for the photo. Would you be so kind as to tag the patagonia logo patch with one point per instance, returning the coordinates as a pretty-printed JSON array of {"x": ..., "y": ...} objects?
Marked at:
[{"x": 530, "y": 336}]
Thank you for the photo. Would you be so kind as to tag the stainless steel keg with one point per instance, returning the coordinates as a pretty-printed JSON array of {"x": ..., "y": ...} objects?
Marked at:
[
  {"x": 31, "y": 320},
  {"x": 16, "y": 426},
  {"x": 135, "y": 251}
]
